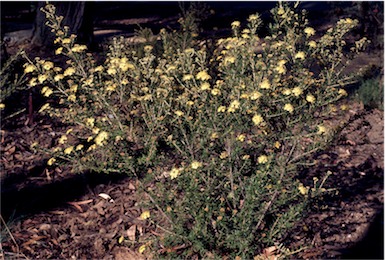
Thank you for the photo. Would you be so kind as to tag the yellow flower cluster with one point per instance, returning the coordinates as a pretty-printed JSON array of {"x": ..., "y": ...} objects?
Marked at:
[
  {"x": 203, "y": 75},
  {"x": 79, "y": 48},
  {"x": 195, "y": 165},
  {"x": 257, "y": 119},
  {"x": 175, "y": 172},
  {"x": 234, "y": 105},
  {"x": 118, "y": 63},
  {"x": 46, "y": 91},
  {"x": 265, "y": 84},
  {"x": 289, "y": 108},
  {"x": 102, "y": 136}
]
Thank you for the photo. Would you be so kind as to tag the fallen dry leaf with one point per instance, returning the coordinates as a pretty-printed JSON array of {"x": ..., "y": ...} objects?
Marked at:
[
  {"x": 131, "y": 233},
  {"x": 106, "y": 197}
]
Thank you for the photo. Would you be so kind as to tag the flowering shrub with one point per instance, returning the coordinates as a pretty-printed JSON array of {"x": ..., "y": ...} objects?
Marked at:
[{"x": 219, "y": 135}]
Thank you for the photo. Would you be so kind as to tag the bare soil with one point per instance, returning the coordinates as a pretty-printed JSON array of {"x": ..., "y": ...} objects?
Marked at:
[{"x": 57, "y": 214}]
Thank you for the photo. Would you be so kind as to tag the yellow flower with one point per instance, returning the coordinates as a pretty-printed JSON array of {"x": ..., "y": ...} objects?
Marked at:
[
  {"x": 349, "y": 21},
  {"x": 44, "y": 107},
  {"x": 59, "y": 50},
  {"x": 246, "y": 157},
  {"x": 203, "y": 75},
  {"x": 223, "y": 155},
  {"x": 175, "y": 172},
  {"x": 145, "y": 215},
  {"x": 309, "y": 31},
  {"x": 235, "y": 24},
  {"x": 300, "y": 55},
  {"x": 99, "y": 68},
  {"x": 71, "y": 98},
  {"x": 100, "y": 138},
  {"x": 147, "y": 48},
  {"x": 69, "y": 71},
  {"x": 253, "y": 17},
  {"x": 48, "y": 65},
  {"x": 255, "y": 95},
  {"x": 124, "y": 66},
  {"x": 111, "y": 87},
  {"x": 277, "y": 144},
  {"x": 187, "y": 77},
  {"x": 245, "y": 96},
  {"x": 29, "y": 68},
  {"x": 302, "y": 189},
  {"x": 92, "y": 147},
  {"x": 51, "y": 161},
  {"x": 66, "y": 41},
  {"x": 141, "y": 249},
  {"x": 342, "y": 92},
  {"x": 286, "y": 91},
  {"x": 79, "y": 48},
  {"x": 42, "y": 78},
  {"x": 229, "y": 59},
  {"x": 111, "y": 71},
  {"x": 195, "y": 165},
  {"x": 32, "y": 82},
  {"x": 262, "y": 159},
  {"x": 90, "y": 122},
  {"x": 265, "y": 84},
  {"x": 297, "y": 91},
  {"x": 281, "y": 62},
  {"x": 79, "y": 147},
  {"x": 281, "y": 69},
  {"x": 241, "y": 137},
  {"x": 74, "y": 88},
  {"x": 289, "y": 108},
  {"x": 310, "y": 98},
  {"x": 2, "y": 106},
  {"x": 46, "y": 91},
  {"x": 205, "y": 86},
  {"x": 257, "y": 119},
  {"x": 58, "y": 77},
  {"x": 63, "y": 139},
  {"x": 321, "y": 129},
  {"x": 221, "y": 109},
  {"x": 234, "y": 105},
  {"x": 215, "y": 92},
  {"x": 170, "y": 69},
  {"x": 312, "y": 44},
  {"x": 281, "y": 11},
  {"x": 179, "y": 113},
  {"x": 68, "y": 150},
  {"x": 214, "y": 136}
]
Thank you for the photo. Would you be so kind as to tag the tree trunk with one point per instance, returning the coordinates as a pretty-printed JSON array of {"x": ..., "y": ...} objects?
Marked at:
[{"x": 77, "y": 16}]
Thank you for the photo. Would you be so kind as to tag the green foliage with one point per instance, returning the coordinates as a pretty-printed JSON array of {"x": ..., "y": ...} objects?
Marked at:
[
  {"x": 371, "y": 93},
  {"x": 10, "y": 81},
  {"x": 218, "y": 135}
]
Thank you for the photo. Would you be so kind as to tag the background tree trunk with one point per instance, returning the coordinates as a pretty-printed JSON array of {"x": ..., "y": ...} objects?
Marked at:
[{"x": 77, "y": 16}]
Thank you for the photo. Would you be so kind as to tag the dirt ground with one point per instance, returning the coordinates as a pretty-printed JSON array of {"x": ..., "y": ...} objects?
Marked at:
[{"x": 56, "y": 214}]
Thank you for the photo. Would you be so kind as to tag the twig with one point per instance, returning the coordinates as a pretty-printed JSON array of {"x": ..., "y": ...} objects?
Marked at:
[
  {"x": 271, "y": 201},
  {"x": 10, "y": 234},
  {"x": 15, "y": 114},
  {"x": 266, "y": 209},
  {"x": 157, "y": 206}
]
